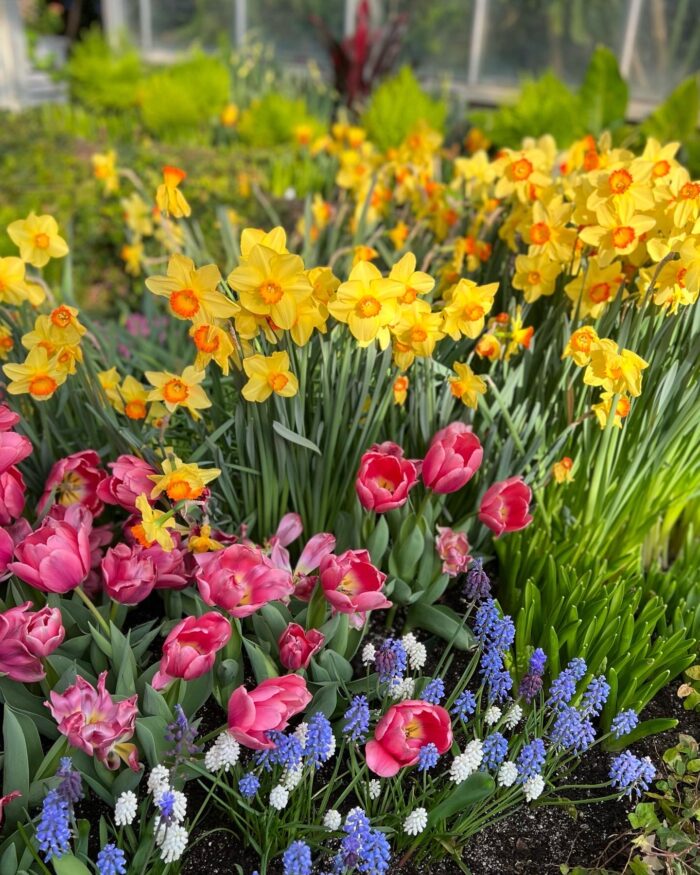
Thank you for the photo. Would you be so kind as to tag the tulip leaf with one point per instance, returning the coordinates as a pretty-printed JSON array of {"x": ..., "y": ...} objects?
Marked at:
[
  {"x": 69, "y": 865},
  {"x": 645, "y": 728},
  {"x": 263, "y": 666},
  {"x": 15, "y": 763},
  {"x": 603, "y": 92},
  {"x": 478, "y": 786},
  {"x": 441, "y": 621},
  {"x": 293, "y": 437}
]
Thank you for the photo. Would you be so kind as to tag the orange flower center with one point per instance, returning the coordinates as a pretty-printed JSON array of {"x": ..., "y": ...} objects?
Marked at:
[
  {"x": 680, "y": 277},
  {"x": 457, "y": 388},
  {"x": 581, "y": 342},
  {"x": 418, "y": 335},
  {"x": 42, "y": 384},
  {"x": 534, "y": 277},
  {"x": 180, "y": 489},
  {"x": 139, "y": 534},
  {"x": 203, "y": 341},
  {"x": 623, "y": 407},
  {"x": 473, "y": 312},
  {"x": 539, "y": 233},
  {"x": 135, "y": 409},
  {"x": 521, "y": 169},
  {"x": 409, "y": 296},
  {"x": 591, "y": 160},
  {"x": 175, "y": 391},
  {"x": 622, "y": 236},
  {"x": 599, "y": 292},
  {"x": 400, "y": 384},
  {"x": 689, "y": 191},
  {"x": 661, "y": 168},
  {"x": 278, "y": 381},
  {"x": 42, "y": 241},
  {"x": 6, "y": 343},
  {"x": 184, "y": 302},
  {"x": 619, "y": 181},
  {"x": 368, "y": 307},
  {"x": 271, "y": 292},
  {"x": 61, "y": 317},
  {"x": 567, "y": 463}
]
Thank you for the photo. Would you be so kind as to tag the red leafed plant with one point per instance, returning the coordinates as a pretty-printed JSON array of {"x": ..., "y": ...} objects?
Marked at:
[{"x": 362, "y": 58}]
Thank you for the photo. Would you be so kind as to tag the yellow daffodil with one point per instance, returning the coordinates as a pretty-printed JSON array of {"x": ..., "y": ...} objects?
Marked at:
[
  {"x": 229, "y": 115},
  {"x": 203, "y": 542},
  {"x": 536, "y": 276},
  {"x": 154, "y": 525},
  {"x": 562, "y": 470},
  {"x": 213, "y": 344},
  {"x": 626, "y": 182},
  {"x": 398, "y": 234},
  {"x": 363, "y": 253},
  {"x": 38, "y": 239},
  {"x": 137, "y": 215},
  {"x": 521, "y": 173},
  {"x": 548, "y": 234},
  {"x": 467, "y": 308},
  {"x": 488, "y": 347},
  {"x": 109, "y": 383},
  {"x": 616, "y": 370},
  {"x": 179, "y": 390},
  {"x": 275, "y": 239},
  {"x": 133, "y": 398},
  {"x": 662, "y": 158},
  {"x": 415, "y": 282},
  {"x": 6, "y": 341},
  {"x": 520, "y": 335},
  {"x": 580, "y": 344},
  {"x": 368, "y": 303},
  {"x": 268, "y": 374},
  {"x": 104, "y": 168},
  {"x": 60, "y": 328},
  {"x": 416, "y": 333},
  {"x": 181, "y": 481},
  {"x": 15, "y": 288},
  {"x": 467, "y": 386},
  {"x": 324, "y": 283},
  {"x": 618, "y": 231},
  {"x": 192, "y": 292},
  {"x": 400, "y": 389},
  {"x": 132, "y": 256},
  {"x": 602, "y": 409},
  {"x": 682, "y": 196},
  {"x": 169, "y": 198},
  {"x": 271, "y": 284},
  {"x": 311, "y": 315},
  {"x": 594, "y": 288},
  {"x": 38, "y": 376}
]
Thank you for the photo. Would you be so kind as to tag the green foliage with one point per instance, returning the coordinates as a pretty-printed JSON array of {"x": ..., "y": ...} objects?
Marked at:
[
  {"x": 609, "y": 624},
  {"x": 102, "y": 78},
  {"x": 270, "y": 120},
  {"x": 689, "y": 690},
  {"x": 548, "y": 106},
  {"x": 181, "y": 99},
  {"x": 677, "y": 117},
  {"x": 397, "y": 106}
]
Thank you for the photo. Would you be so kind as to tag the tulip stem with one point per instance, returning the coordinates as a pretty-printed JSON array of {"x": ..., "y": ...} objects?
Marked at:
[{"x": 93, "y": 610}]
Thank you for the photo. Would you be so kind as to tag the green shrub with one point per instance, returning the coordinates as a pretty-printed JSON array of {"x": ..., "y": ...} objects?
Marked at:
[
  {"x": 103, "y": 78},
  {"x": 271, "y": 120},
  {"x": 397, "y": 106},
  {"x": 177, "y": 101}
]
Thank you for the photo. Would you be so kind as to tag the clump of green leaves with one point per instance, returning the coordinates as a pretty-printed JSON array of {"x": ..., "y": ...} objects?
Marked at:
[
  {"x": 270, "y": 120},
  {"x": 397, "y": 106},
  {"x": 689, "y": 690},
  {"x": 101, "y": 77},
  {"x": 184, "y": 97}
]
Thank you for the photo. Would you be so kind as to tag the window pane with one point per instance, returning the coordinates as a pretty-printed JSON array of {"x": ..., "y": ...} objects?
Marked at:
[{"x": 285, "y": 24}]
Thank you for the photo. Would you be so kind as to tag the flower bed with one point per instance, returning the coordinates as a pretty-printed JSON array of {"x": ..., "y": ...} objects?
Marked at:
[{"x": 339, "y": 558}]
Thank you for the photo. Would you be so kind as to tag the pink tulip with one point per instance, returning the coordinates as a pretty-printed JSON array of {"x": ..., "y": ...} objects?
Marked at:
[
  {"x": 297, "y": 646},
  {"x": 385, "y": 478},
  {"x": 7, "y": 550},
  {"x": 241, "y": 579},
  {"x": 129, "y": 576},
  {"x": 402, "y": 732},
  {"x": 44, "y": 632},
  {"x": 270, "y": 706},
  {"x": 505, "y": 506},
  {"x": 453, "y": 549},
  {"x": 190, "y": 649},
  {"x": 13, "y": 449},
  {"x": 56, "y": 557},
  {"x": 94, "y": 723},
  {"x": 353, "y": 585},
  {"x": 74, "y": 480},
  {"x": 5, "y": 800},
  {"x": 288, "y": 530},
  {"x": 169, "y": 567},
  {"x": 8, "y": 418},
  {"x": 12, "y": 489},
  {"x": 129, "y": 479},
  {"x": 453, "y": 457},
  {"x": 317, "y": 547}
]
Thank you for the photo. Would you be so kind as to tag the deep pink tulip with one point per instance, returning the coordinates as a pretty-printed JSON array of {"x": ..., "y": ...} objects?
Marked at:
[
  {"x": 297, "y": 646},
  {"x": 75, "y": 480},
  {"x": 453, "y": 457},
  {"x": 25, "y": 638},
  {"x": 384, "y": 480},
  {"x": 190, "y": 649},
  {"x": 93, "y": 722},
  {"x": 13, "y": 449},
  {"x": 352, "y": 585},
  {"x": 270, "y": 706},
  {"x": 128, "y": 480},
  {"x": 453, "y": 549},
  {"x": 8, "y": 418},
  {"x": 402, "y": 732},
  {"x": 12, "y": 489},
  {"x": 56, "y": 557},
  {"x": 241, "y": 579},
  {"x": 128, "y": 575},
  {"x": 505, "y": 506},
  {"x": 44, "y": 632}
]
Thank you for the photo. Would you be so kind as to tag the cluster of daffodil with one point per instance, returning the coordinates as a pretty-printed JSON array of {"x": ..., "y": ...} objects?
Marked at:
[
  {"x": 617, "y": 371},
  {"x": 53, "y": 345}
]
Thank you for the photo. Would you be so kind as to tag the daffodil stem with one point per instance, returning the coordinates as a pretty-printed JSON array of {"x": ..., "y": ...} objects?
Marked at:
[{"x": 91, "y": 607}]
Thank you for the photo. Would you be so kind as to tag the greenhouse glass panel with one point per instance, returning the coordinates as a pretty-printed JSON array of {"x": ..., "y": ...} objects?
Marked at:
[
  {"x": 179, "y": 24},
  {"x": 527, "y": 38},
  {"x": 667, "y": 48},
  {"x": 285, "y": 24}
]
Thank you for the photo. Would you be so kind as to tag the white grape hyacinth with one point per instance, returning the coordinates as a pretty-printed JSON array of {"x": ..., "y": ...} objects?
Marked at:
[
  {"x": 279, "y": 797},
  {"x": 416, "y": 822},
  {"x": 172, "y": 840},
  {"x": 125, "y": 809},
  {"x": 375, "y": 789},
  {"x": 415, "y": 651},
  {"x": 158, "y": 781},
  {"x": 507, "y": 774},
  {"x": 492, "y": 715},
  {"x": 465, "y": 764},
  {"x": 513, "y": 716},
  {"x": 369, "y": 652},
  {"x": 332, "y": 820},
  {"x": 223, "y": 754},
  {"x": 533, "y": 788}
]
